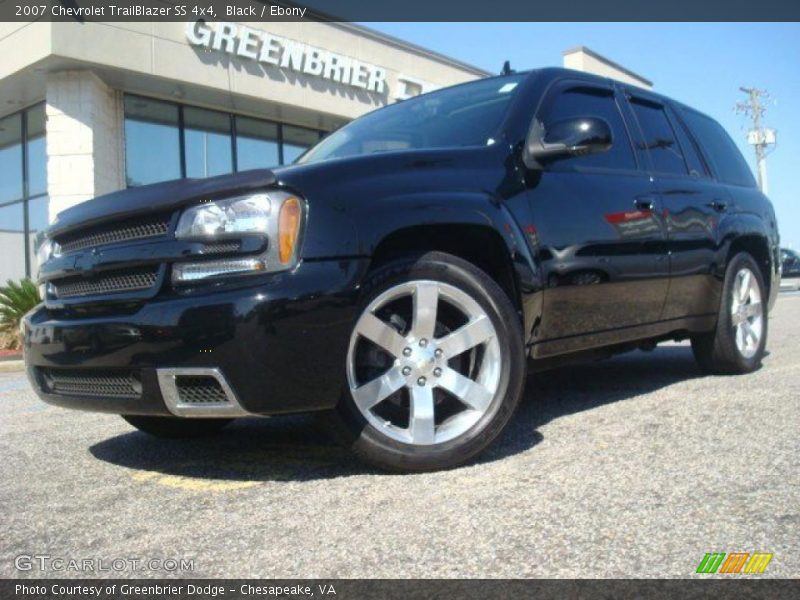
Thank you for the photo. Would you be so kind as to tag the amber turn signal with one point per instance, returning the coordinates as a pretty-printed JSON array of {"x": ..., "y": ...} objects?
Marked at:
[{"x": 288, "y": 229}]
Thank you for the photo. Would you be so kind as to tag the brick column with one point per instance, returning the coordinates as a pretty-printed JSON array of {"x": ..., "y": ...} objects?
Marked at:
[{"x": 85, "y": 150}]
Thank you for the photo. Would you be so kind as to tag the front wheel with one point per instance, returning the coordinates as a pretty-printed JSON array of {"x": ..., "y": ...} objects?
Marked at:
[
  {"x": 737, "y": 344},
  {"x": 176, "y": 428},
  {"x": 435, "y": 366}
]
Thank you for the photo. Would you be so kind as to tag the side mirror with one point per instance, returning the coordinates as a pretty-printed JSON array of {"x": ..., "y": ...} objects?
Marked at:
[{"x": 570, "y": 137}]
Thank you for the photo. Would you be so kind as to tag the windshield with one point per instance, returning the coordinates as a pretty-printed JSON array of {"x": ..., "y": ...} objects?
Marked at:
[{"x": 464, "y": 115}]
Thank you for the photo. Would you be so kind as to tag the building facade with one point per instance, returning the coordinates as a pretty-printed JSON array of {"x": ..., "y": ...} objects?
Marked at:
[
  {"x": 90, "y": 108},
  {"x": 585, "y": 59}
]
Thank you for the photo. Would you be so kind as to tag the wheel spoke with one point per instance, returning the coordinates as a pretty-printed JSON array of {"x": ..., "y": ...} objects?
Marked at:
[
  {"x": 744, "y": 286},
  {"x": 740, "y": 338},
  {"x": 470, "y": 392},
  {"x": 426, "y": 300},
  {"x": 748, "y": 332},
  {"x": 377, "y": 390},
  {"x": 753, "y": 309},
  {"x": 421, "y": 424},
  {"x": 380, "y": 333},
  {"x": 466, "y": 337}
]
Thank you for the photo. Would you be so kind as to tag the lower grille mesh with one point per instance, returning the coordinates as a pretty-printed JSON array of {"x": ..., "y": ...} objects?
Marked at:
[
  {"x": 111, "y": 283},
  {"x": 91, "y": 384},
  {"x": 200, "y": 389}
]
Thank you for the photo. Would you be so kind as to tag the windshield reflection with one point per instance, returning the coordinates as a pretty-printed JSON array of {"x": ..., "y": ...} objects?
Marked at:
[{"x": 463, "y": 115}]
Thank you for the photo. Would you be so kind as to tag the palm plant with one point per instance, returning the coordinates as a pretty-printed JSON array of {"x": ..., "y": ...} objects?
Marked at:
[{"x": 16, "y": 299}]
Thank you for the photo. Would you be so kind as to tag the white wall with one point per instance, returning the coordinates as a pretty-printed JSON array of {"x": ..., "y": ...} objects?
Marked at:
[
  {"x": 84, "y": 139},
  {"x": 582, "y": 59}
]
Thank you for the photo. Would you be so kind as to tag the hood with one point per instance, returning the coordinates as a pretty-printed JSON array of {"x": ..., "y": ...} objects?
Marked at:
[
  {"x": 391, "y": 172},
  {"x": 158, "y": 197}
]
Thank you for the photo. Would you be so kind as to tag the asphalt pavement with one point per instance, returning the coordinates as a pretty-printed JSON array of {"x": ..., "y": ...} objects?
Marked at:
[{"x": 631, "y": 467}]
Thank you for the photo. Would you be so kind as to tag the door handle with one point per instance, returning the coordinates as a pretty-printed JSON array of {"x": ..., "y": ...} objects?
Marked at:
[
  {"x": 644, "y": 203},
  {"x": 718, "y": 205}
]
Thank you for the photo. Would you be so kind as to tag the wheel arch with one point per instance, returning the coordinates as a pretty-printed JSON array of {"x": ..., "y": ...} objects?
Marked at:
[
  {"x": 481, "y": 245},
  {"x": 747, "y": 234},
  {"x": 475, "y": 227}
]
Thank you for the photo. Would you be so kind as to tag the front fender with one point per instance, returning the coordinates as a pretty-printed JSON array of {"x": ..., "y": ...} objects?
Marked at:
[
  {"x": 379, "y": 219},
  {"x": 415, "y": 216}
]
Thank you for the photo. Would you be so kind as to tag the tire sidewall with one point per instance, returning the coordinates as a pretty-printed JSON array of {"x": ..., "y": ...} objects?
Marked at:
[
  {"x": 727, "y": 331},
  {"x": 368, "y": 442}
]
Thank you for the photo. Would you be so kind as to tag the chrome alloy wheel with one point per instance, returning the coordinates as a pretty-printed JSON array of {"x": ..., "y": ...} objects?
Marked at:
[
  {"x": 439, "y": 366},
  {"x": 747, "y": 313}
]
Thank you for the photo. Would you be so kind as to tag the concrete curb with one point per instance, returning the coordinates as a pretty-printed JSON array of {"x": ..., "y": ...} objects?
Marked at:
[{"x": 12, "y": 366}]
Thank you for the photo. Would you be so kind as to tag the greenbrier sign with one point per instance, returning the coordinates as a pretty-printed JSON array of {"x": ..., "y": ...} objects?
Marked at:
[{"x": 270, "y": 49}]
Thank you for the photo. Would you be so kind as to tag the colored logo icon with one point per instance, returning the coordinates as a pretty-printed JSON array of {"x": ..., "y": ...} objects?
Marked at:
[{"x": 735, "y": 562}]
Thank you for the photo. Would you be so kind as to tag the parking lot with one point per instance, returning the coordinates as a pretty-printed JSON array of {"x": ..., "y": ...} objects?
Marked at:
[{"x": 631, "y": 467}]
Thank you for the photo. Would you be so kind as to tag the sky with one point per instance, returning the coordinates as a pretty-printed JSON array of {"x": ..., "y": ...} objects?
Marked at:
[{"x": 700, "y": 64}]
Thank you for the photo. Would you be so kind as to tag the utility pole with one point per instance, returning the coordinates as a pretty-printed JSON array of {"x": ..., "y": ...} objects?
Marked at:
[{"x": 758, "y": 136}]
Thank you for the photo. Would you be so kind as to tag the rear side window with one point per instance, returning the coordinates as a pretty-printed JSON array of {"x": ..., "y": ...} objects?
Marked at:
[
  {"x": 695, "y": 162},
  {"x": 586, "y": 101},
  {"x": 660, "y": 140},
  {"x": 720, "y": 149}
]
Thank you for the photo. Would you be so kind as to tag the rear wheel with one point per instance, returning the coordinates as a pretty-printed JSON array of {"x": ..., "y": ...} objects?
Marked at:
[
  {"x": 175, "y": 428},
  {"x": 737, "y": 344},
  {"x": 435, "y": 366}
]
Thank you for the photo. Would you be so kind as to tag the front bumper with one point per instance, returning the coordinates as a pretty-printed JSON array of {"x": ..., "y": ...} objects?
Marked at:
[{"x": 280, "y": 343}]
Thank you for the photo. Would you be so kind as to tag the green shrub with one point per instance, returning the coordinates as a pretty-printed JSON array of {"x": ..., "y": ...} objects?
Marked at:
[{"x": 16, "y": 299}]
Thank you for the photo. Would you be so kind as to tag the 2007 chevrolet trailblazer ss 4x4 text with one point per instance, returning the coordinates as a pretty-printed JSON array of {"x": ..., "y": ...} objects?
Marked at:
[{"x": 400, "y": 274}]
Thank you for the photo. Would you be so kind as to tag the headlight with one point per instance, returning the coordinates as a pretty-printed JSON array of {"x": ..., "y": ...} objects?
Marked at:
[
  {"x": 275, "y": 216},
  {"x": 226, "y": 218},
  {"x": 46, "y": 250}
]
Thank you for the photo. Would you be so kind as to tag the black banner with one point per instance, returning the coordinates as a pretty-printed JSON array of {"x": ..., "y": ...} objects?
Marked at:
[
  {"x": 347, "y": 589},
  {"x": 408, "y": 10}
]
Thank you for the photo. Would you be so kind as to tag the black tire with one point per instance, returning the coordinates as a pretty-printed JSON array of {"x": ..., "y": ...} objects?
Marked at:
[
  {"x": 717, "y": 351},
  {"x": 176, "y": 428},
  {"x": 351, "y": 428}
]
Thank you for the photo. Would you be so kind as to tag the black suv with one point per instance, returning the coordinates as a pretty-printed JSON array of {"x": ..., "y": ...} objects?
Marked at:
[{"x": 402, "y": 272}]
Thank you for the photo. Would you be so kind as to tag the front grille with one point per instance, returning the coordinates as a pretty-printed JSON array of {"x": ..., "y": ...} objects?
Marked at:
[
  {"x": 111, "y": 283},
  {"x": 112, "y": 234},
  {"x": 221, "y": 248},
  {"x": 97, "y": 384},
  {"x": 200, "y": 389}
]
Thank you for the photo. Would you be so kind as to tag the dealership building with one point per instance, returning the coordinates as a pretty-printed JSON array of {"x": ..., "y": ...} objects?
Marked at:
[{"x": 90, "y": 108}]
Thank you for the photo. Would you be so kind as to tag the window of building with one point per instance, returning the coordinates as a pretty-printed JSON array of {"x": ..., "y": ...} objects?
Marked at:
[
  {"x": 256, "y": 144},
  {"x": 197, "y": 142},
  {"x": 207, "y": 136},
  {"x": 23, "y": 185},
  {"x": 586, "y": 101},
  {"x": 719, "y": 149},
  {"x": 152, "y": 141},
  {"x": 297, "y": 140},
  {"x": 659, "y": 138},
  {"x": 11, "y": 158},
  {"x": 37, "y": 151},
  {"x": 12, "y": 242}
]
